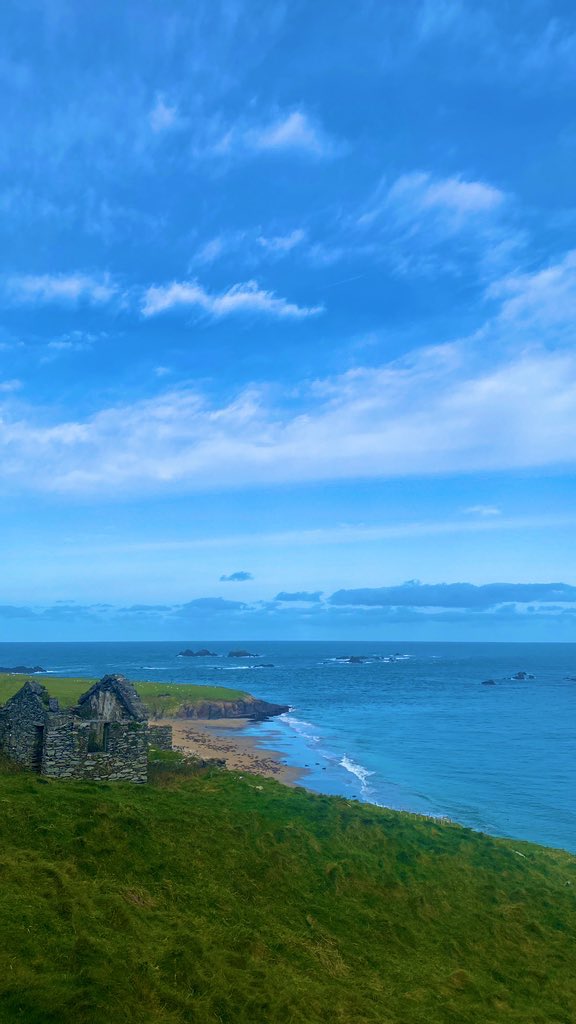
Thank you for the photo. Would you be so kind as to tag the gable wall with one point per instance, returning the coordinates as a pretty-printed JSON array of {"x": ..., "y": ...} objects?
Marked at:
[{"x": 18, "y": 729}]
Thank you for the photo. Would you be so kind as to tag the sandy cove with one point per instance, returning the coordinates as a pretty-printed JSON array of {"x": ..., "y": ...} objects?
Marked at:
[{"x": 241, "y": 753}]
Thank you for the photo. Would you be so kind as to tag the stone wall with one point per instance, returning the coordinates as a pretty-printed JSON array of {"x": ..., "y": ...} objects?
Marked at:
[
  {"x": 21, "y": 722},
  {"x": 71, "y": 752},
  {"x": 160, "y": 737}
]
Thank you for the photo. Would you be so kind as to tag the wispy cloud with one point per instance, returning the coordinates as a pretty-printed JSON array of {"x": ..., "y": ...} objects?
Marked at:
[
  {"x": 9, "y": 386},
  {"x": 281, "y": 244},
  {"x": 67, "y": 289},
  {"x": 249, "y": 246},
  {"x": 247, "y": 297},
  {"x": 541, "y": 299},
  {"x": 294, "y": 132},
  {"x": 486, "y": 403},
  {"x": 164, "y": 116},
  {"x": 483, "y": 510},
  {"x": 425, "y": 224},
  {"x": 433, "y": 414},
  {"x": 418, "y": 193},
  {"x": 237, "y": 577}
]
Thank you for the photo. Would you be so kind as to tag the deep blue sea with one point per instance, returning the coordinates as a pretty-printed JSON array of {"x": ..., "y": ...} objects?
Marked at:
[{"x": 411, "y": 727}]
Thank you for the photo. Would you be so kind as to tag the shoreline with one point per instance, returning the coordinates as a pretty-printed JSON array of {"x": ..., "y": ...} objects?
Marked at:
[{"x": 204, "y": 738}]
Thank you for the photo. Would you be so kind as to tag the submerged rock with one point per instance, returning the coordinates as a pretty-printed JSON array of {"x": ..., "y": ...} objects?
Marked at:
[
  {"x": 488, "y": 682},
  {"x": 242, "y": 654}
]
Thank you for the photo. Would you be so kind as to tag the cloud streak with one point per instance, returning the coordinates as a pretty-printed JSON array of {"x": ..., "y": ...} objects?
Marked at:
[
  {"x": 294, "y": 132},
  {"x": 239, "y": 299},
  {"x": 434, "y": 413},
  {"x": 65, "y": 289}
]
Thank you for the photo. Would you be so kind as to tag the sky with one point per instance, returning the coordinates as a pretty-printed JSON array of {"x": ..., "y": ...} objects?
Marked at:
[{"x": 287, "y": 307}]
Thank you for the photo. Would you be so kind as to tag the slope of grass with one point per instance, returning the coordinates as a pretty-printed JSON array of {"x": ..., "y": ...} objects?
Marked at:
[
  {"x": 160, "y": 698},
  {"x": 217, "y": 899}
]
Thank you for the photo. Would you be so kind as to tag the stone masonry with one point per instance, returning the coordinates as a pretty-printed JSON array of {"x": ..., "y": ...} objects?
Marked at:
[{"x": 105, "y": 737}]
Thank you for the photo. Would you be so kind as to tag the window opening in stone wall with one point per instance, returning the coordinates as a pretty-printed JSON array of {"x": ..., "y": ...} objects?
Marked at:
[
  {"x": 99, "y": 738},
  {"x": 38, "y": 748}
]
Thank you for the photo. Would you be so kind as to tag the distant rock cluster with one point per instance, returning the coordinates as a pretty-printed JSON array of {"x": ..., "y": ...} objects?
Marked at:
[
  {"x": 26, "y": 670},
  {"x": 202, "y": 653}
]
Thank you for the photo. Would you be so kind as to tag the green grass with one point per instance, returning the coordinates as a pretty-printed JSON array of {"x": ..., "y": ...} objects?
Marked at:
[
  {"x": 160, "y": 698},
  {"x": 213, "y": 899}
]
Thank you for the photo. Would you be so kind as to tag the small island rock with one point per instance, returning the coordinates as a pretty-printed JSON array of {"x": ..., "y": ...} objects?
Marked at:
[
  {"x": 202, "y": 653},
  {"x": 23, "y": 669},
  {"x": 242, "y": 654}
]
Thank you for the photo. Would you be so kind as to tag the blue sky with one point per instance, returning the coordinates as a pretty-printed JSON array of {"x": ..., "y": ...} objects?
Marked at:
[{"x": 287, "y": 305}]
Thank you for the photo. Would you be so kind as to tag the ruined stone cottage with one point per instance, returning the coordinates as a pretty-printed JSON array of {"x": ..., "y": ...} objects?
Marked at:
[{"x": 104, "y": 737}]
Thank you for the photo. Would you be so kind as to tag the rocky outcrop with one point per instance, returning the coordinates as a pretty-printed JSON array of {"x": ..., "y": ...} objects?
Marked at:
[
  {"x": 26, "y": 670},
  {"x": 242, "y": 654},
  {"x": 202, "y": 653},
  {"x": 248, "y": 707}
]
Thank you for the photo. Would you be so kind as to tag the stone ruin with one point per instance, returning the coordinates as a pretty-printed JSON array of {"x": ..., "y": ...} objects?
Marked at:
[{"x": 105, "y": 737}]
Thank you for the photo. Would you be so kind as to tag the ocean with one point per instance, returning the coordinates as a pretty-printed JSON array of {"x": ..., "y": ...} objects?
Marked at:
[{"x": 408, "y": 726}]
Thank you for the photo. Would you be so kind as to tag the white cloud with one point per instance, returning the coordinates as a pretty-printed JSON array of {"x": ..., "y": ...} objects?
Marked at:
[
  {"x": 281, "y": 244},
  {"x": 163, "y": 116},
  {"x": 483, "y": 510},
  {"x": 210, "y": 251},
  {"x": 68, "y": 289},
  {"x": 474, "y": 405},
  {"x": 545, "y": 298},
  {"x": 240, "y": 298},
  {"x": 456, "y": 201},
  {"x": 8, "y": 386},
  {"x": 431, "y": 415},
  {"x": 295, "y": 132}
]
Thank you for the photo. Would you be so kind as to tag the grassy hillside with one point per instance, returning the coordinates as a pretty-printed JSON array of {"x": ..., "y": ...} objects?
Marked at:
[
  {"x": 217, "y": 899},
  {"x": 160, "y": 698}
]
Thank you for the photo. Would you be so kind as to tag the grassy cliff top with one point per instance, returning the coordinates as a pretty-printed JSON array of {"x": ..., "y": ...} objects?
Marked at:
[
  {"x": 159, "y": 697},
  {"x": 217, "y": 899}
]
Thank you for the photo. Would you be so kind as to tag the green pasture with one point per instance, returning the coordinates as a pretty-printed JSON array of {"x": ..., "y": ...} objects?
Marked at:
[
  {"x": 160, "y": 698},
  {"x": 212, "y": 898}
]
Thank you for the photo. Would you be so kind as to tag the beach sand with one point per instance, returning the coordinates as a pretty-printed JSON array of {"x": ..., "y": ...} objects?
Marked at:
[{"x": 219, "y": 738}]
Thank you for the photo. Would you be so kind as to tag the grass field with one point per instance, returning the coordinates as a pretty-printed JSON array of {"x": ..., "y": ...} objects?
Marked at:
[
  {"x": 217, "y": 899},
  {"x": 160, "y": 698}
]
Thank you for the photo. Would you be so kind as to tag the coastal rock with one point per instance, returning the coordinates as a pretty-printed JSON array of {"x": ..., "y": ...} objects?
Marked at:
[
  {"x": 488, "y": 682},
  {"x": 522, "y": 675},
  {"x": 23, "y": 669},
  {"x": 202, "y": 653},
  {"x": 242, "y": 654},
  {"x": 248, "y": 707}
]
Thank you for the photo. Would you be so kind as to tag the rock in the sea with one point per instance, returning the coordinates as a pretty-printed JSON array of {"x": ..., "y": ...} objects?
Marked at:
[
  {"x": 489, "y": 682},
  {"x": 522, "y": 675},
  {"x": 23, "y": 669},
  {"x": 242, "y": 654},
  {"x": 202, "y": 653}
]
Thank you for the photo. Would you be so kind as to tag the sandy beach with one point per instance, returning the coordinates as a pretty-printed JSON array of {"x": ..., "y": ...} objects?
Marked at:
[{"x": 219, "y": 738}]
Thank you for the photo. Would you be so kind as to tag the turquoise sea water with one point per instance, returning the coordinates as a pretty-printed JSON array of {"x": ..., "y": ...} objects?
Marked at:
[{"x": 411, "y": 727}]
